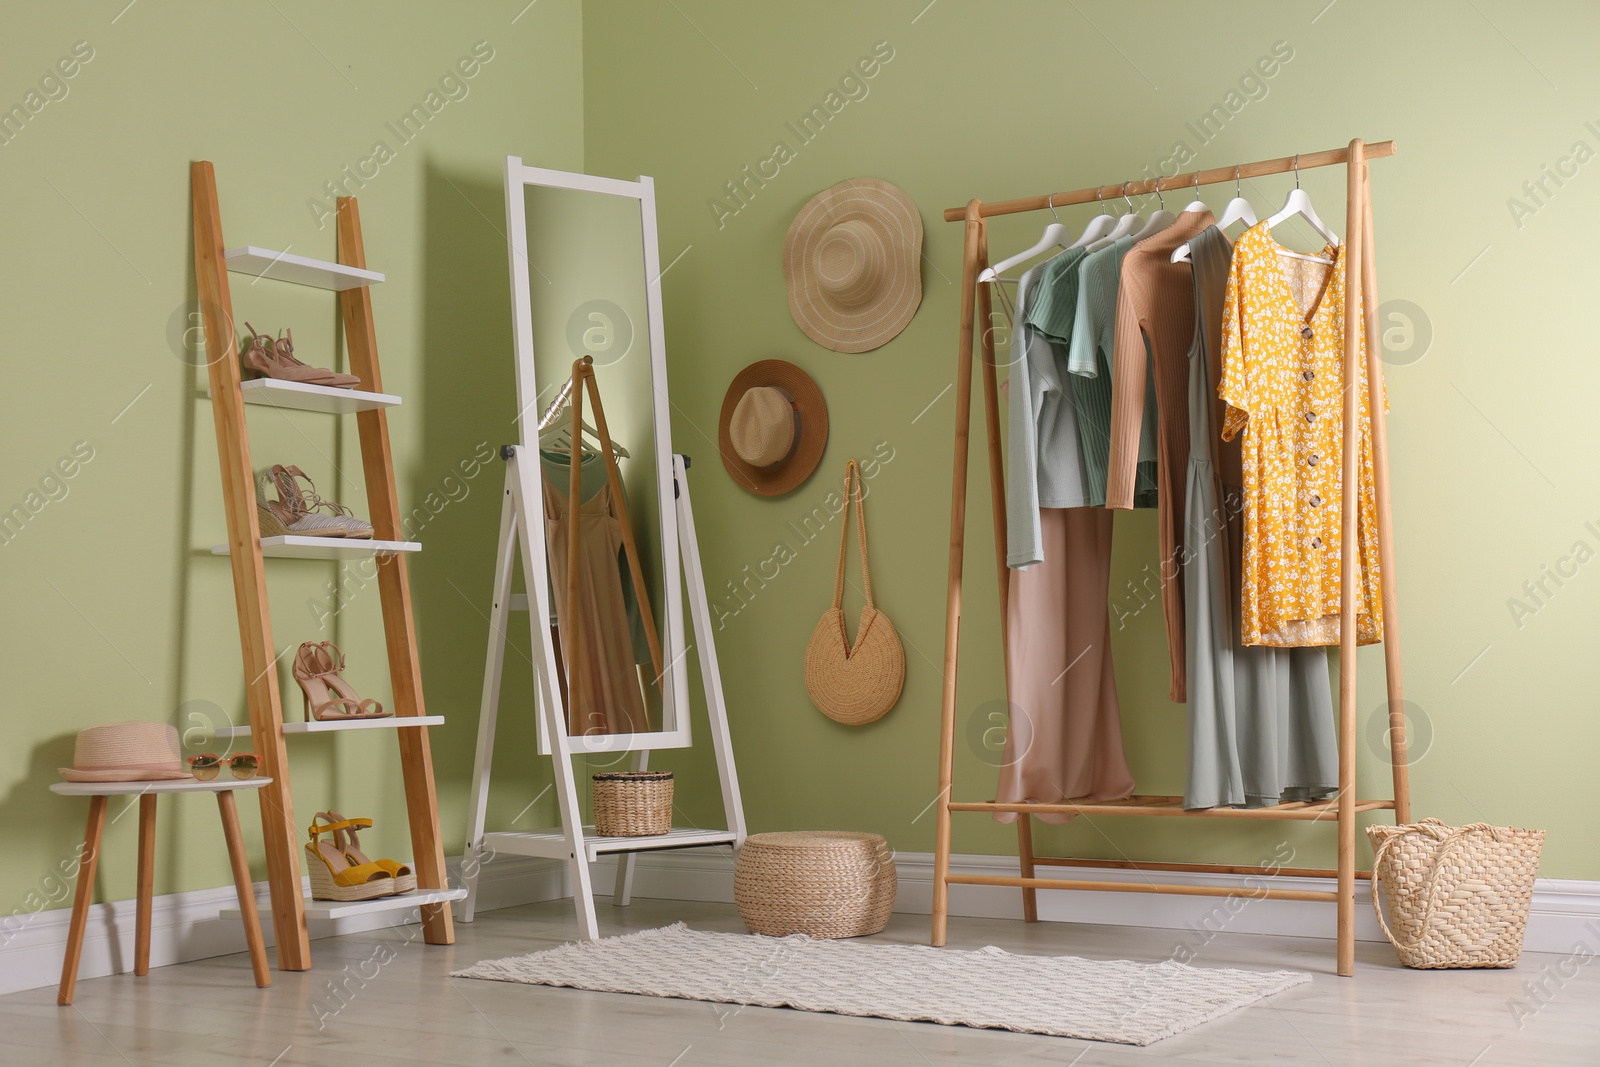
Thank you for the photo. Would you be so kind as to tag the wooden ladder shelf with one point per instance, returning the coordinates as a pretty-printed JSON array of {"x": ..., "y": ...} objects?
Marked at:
[{"x": 245, "y": 550}]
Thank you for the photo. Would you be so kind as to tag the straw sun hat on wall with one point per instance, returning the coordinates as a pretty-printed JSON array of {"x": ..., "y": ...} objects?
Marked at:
[
  {"x": 773, "y": 427},
  {"x": 853, "y": 263}
]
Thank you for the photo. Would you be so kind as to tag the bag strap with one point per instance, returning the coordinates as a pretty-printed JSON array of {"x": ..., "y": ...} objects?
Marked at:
[
  {"x": 1448, "y": 837},
  {"x": 852, "y": 490}
]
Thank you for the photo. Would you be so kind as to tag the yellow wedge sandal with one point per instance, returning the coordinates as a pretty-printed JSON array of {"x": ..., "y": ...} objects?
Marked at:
[
  {"x": 334, "y": 877},
  {"x": 405, "y": 879}
]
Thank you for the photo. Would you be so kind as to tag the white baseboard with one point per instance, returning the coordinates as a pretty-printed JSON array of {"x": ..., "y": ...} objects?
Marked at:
[{"x": 184, "y": 926}]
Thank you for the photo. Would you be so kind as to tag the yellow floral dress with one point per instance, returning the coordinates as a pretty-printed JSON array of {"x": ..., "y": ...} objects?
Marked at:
[{"x": 1283, "y": 381}]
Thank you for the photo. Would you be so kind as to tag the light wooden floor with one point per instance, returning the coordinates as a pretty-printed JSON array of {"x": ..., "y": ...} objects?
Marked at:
[{"x": 398, "y": 1007}]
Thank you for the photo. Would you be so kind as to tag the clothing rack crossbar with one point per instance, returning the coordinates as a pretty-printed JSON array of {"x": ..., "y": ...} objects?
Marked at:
[
  {"x": 1360, "y": 280},
  {"x": 1332, "y": 157}
]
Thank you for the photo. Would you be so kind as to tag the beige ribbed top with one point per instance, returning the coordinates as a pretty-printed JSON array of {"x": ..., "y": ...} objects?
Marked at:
[{"x": 1155, "y": 311}]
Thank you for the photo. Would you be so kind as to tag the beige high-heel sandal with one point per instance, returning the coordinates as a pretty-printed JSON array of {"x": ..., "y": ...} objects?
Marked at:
[
  {"x": 275, "y": 359},
  {"x": 328, "y": 697},
  {"x": 278, "y": 518},
  {"x": 307, "y": 501},
  {"x": 405, "y": 879},
  {"x": 334, "y": 877}
]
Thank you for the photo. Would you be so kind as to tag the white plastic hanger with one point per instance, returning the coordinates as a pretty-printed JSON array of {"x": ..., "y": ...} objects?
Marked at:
[
  {"x": 1098, "y": 226},
  {"x": 1159, "y": 220},
  {"x": 1055, "y": 236},
  {"x": 1125, "y": 225},
  {"x": 1298, "y": 202},
  {"x": 1196, "y": 204},
  {"x": 1238, "y": 210}
]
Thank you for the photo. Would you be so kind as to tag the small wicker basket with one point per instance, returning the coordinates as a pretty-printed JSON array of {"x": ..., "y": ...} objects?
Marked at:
[
  {"x": 823, "y": 883},
  {"x": 1458, "y": 896},
  {"x": 632, "y": 803}
]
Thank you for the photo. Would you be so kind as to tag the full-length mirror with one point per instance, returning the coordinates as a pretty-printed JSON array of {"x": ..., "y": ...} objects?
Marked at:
[{"x": 592, "y": 406}]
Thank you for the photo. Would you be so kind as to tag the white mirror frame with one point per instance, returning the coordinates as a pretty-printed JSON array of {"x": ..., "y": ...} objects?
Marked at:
[{"x": 675, "y": 706}]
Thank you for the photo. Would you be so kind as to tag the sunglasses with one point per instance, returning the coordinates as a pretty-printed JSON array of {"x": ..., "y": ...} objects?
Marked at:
[{"x": 205, "y": 767}]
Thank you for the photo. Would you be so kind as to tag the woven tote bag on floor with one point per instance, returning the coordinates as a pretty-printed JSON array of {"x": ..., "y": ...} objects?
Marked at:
[
  {"x": 854, "y": 684},
  {"x": 1458, "y": 895}
]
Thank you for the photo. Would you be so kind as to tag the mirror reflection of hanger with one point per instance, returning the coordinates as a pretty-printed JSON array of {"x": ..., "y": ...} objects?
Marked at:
[
  {"x": 1298, "y": 202},
  {"x": 555, "y": 432},
  {"x": 1125, "y": 225},
  {"x": 1159, "y": 220},
  {"x": 1055, "y": 236},
  {"x": 1098, "y": 226}
]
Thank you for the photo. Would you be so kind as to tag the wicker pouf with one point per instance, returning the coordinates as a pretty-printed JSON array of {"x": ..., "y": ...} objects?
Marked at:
[{"x": 823, "y": 883}]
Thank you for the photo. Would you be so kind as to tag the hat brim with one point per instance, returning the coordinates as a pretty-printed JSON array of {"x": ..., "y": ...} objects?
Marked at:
[
  {"x": 789, "y": 474},
  {"x": 114, "y": 774},
  {"x": 893, "y": 214}
]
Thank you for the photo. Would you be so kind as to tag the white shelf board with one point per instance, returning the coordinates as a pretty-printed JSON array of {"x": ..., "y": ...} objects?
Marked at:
[
  {"x": 338, "y": 909},
  {"x": 276, "y": 393},
  {"x": 285, "y": 267},
  {"x": 293, "y": 546},
  {"x": 392, "y": 722},
  {"x": 552, "y": 844}
]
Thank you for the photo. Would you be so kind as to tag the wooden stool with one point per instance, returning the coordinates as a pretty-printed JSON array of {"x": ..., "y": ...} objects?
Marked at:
[
  {"x": 822, "y": 883},
  {"x": 146, "y": 792}
]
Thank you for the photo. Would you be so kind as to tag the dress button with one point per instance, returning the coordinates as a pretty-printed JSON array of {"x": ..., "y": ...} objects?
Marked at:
[
  {"x": 1313, "y": 459},
  {"x": 1308, "y": 375},
  {"x": 1316, "y": 542},
  {"x": 1307, "y": 332},
  {"x": 1316, "y": 500},
  {"x": 1311, "y": 416}
]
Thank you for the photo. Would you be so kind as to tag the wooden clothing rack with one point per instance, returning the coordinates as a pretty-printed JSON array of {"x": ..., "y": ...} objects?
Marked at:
[{"x": 1360, "y": 277}]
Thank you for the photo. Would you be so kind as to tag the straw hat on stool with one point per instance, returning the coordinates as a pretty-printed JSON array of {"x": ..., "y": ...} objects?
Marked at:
[
  {"x": 853, "y": 263},
  {"x": 127, "y": 752},
  {"x": 774, "y": 427}
]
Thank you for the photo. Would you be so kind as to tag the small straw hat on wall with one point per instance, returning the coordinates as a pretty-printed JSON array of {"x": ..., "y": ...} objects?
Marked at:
[
  {"x": 127, "y": 752},
  {"x": 773, "y": 428},
  {"x": 853, "y": 263}
]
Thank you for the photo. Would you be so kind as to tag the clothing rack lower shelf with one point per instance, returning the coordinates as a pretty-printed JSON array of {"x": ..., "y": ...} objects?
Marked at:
[{"x": 1309, "y": 811}]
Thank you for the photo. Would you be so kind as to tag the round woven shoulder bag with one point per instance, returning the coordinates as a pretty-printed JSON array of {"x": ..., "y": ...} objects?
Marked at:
[{"x": 854, "y": 683}]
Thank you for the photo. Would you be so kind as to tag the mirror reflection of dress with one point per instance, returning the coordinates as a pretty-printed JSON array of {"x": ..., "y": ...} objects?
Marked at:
[{"x": 604, "y": 694}]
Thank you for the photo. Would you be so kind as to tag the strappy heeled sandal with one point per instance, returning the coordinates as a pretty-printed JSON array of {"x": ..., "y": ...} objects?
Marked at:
[
  {"x": 405, "y": 879},
  {"x": 262, "y": 355},
  {"x": 274, "y": 358},
  {"x": 278, "y": 518},
  {"x": 307, "y": 502},
  {"x": 328, "y": 697},
  {"x": 334, "y": 877}
]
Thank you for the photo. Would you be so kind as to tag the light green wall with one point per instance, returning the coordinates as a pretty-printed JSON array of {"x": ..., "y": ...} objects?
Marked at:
[
  {"x": 1492, "y": 481},
  {"x": 997, "y": 100},
  {"x": 115, "y": 609}
]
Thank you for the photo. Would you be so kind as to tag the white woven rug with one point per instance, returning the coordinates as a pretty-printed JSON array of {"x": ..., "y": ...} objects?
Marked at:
[{"x": 1065, "y": 996}]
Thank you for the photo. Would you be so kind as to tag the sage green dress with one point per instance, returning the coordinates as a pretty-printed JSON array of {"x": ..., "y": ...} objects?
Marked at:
[{"x": 1260, "y": 718}]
